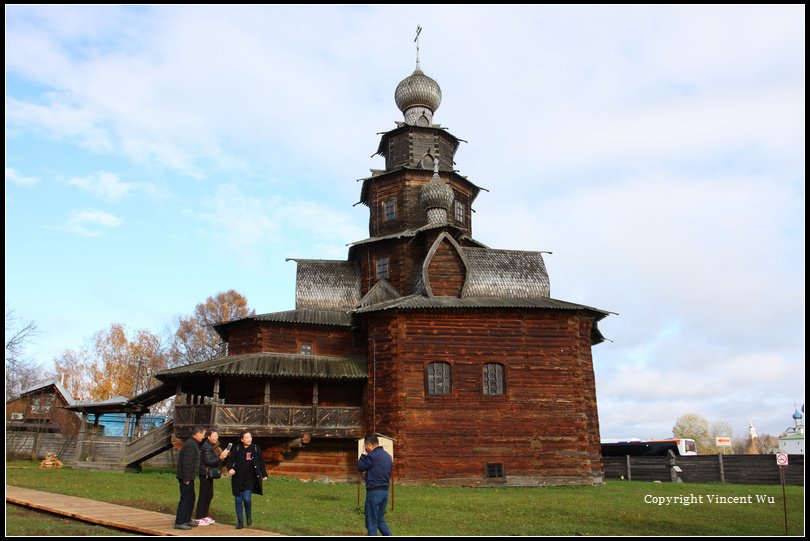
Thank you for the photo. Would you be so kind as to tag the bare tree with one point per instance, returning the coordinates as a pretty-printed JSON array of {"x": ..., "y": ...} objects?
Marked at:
[
  {"x": 20, "y": 371},
  {"x": 717, "y": 430}
]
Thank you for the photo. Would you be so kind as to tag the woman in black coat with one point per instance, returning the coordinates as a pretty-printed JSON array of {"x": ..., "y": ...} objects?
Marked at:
[
  {"x": 247, "y": 471},
  {"x": 210, "y": 459}
]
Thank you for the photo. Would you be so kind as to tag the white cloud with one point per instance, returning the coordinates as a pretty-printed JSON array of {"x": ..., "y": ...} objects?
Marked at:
[
  {"x": 103, "y": 185},
  {"x": 86, "y": 222},
  {"x": 14, "y": 177},
  {"x": 247, "y": 222}
]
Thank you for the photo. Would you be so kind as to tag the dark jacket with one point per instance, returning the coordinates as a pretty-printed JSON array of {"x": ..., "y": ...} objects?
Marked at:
[
  {"x": 377, "y": 464},
  {"x": 188, "y": 462},
  {"x": 236, "y": 461},
  {"x": 208, "y": 458}
]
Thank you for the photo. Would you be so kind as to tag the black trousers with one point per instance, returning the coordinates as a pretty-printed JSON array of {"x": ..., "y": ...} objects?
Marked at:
[
  {"x": 206, "y": 495},
  {"x": 186, "y": 505}
]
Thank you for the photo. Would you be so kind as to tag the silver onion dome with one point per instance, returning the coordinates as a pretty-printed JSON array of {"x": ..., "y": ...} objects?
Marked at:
[
  {"x": 436, "y": 197},
  {"x": 416, "y": 96}
]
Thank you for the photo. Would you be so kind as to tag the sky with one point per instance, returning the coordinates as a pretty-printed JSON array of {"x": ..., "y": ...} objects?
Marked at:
[{"x": 156, "y": 156}]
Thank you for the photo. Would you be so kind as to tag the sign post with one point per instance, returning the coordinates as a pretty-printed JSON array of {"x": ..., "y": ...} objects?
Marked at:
[
  {"x": 782, "y": 461},
  {"x": 722, "y": 441}
]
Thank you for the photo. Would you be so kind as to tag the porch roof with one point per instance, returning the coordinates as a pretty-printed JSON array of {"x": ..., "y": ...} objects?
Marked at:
[{"x": 280, "y": 365}]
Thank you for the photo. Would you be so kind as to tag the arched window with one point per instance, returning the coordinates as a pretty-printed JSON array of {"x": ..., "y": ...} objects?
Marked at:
[
  {"x": 427, "y": 162},
  {"x": 494, "y": 383},
  {"x": 437, "y": 379}
]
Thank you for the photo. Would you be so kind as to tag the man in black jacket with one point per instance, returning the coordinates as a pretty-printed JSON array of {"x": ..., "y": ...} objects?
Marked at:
[{"x": 188, "y": 463}]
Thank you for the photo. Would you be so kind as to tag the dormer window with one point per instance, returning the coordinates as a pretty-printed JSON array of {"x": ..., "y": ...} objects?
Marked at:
[
  {"x": 382, "y": 267},
  {"x": 390, "y": 209}
]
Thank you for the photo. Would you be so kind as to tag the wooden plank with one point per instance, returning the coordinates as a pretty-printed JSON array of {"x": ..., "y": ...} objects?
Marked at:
[{"x": 117, "y": 516}]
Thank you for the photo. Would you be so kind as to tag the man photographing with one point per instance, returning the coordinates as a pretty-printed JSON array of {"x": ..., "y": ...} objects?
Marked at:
[{"x": 376, "y": 463}]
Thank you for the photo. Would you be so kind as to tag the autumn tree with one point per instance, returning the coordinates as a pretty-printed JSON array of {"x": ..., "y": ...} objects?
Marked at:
[
  {"x": 112, "y": 364},
  {"x": 195, "y": 339},
  {"x": 21, "y": 372},
  {"x": 73, "y": 370},
  {"x": 696, "y": 427}
]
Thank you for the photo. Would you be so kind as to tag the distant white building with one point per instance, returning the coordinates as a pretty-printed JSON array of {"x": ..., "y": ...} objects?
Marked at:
[{"x": 792, "y": 440}]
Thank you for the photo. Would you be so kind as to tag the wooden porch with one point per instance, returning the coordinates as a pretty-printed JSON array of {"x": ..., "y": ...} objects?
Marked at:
[{"x": 271, "y": 420}]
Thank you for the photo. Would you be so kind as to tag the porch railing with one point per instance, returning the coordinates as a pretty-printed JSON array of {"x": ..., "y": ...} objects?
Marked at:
[{"x": 282, "y": 418}]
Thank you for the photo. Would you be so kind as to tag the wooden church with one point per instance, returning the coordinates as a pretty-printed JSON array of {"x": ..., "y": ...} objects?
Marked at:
[{"x": 455, "y": 350}]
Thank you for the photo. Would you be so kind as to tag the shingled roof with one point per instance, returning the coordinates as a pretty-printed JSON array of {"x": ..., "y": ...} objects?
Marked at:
[
  {"x": 280, "y": 365},
  {"x": 322, "y": 284},
  {"x": 505, "y": 273}
]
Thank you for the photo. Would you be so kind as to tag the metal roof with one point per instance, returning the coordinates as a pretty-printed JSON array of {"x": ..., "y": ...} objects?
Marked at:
[
  {"x": 408, "y": 233},
  {"x": 280, "y": 365},
  {"x": 419, "y": 302},
  {"x": 340, "y": 318},
  {"x": 64, "y": 392}
]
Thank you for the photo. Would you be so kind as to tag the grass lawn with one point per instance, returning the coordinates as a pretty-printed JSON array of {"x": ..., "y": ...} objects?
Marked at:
[{"x": 295, "y": 507}]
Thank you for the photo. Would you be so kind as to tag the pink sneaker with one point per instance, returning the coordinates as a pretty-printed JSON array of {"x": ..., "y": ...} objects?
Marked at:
[
  {"x": 209, "y": 520},
  {"x": 202, "y": 522}
]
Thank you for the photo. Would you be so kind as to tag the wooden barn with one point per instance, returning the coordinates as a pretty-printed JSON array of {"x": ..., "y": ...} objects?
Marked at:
[
  {"x": 41, "y": 409},
  {"x": 455, "y": 350}
]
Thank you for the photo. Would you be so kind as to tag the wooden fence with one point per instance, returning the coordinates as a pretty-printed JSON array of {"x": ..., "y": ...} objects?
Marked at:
[
  {"x": 738, "y": 469},
  {"x": 34, "y": 445}
]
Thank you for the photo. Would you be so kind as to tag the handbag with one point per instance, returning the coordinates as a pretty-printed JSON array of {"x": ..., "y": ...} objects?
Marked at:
[{"x": 214, "y": 473}]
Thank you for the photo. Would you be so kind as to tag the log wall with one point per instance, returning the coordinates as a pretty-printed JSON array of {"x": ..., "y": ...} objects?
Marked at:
[
  {"x": 543, "y": 430},
  {"x": 281, "y": 338}
]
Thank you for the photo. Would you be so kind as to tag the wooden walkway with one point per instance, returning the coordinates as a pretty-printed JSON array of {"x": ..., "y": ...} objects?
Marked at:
[{"x": 117, "y": 516}]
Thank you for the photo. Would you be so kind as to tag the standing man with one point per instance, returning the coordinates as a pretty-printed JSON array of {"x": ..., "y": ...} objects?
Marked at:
[
  {"x": 377, "y": 465},
  {"x": 188, "y": 464}
]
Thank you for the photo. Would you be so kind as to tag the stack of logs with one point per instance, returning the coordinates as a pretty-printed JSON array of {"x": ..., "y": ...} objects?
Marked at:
[
  {"x": 50, "y": 461},
  {"x": 281, "y": 452}
]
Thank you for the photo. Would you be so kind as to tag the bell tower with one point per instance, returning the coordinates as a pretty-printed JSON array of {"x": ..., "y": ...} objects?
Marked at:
[{"x": 418, "y": 194}]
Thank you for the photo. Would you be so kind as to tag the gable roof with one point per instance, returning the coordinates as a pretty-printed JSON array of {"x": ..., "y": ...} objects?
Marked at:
[
  {"x": 68, "y": 398},
  {"x": 380, "y": 292}
]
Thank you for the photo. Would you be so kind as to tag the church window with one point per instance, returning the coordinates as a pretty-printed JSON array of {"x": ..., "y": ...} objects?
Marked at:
[
  {"x": 427, "y": 161},
  {"x": 459, "y": 211},
  {"x": 437, "y": 378},
  {"x": 493, "y": 379},
  {"x": 382, "y": 267},
  {"x": 390, "y": 209}
]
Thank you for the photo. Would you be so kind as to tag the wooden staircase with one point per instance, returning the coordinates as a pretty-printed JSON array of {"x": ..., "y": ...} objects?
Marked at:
[
  {"x": 150, "y": 444},
  {"x": 135, "y": 452}
]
